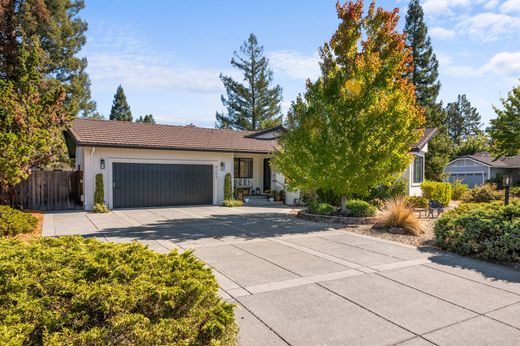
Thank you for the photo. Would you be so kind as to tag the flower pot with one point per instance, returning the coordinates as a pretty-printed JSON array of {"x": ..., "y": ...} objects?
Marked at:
[{"x": 271, "y": 199}]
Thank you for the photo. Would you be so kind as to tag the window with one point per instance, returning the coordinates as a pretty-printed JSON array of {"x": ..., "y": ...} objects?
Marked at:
[
  {"x": 243, "y": 168},
  {"x": 418, "y": 170}
]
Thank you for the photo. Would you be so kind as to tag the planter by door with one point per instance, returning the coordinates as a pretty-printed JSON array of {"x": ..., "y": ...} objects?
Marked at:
[{"x": 153, "y": 185}]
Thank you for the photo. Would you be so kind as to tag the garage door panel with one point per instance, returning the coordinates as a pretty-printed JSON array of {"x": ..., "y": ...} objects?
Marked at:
[
  {"x": 150, "y": 185},
  {"x": 470, "y": 179}
]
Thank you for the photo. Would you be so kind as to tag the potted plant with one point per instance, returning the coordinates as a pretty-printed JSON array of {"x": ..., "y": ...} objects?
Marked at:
[
  {"x": 274, "y": 196},
  {"x": 281, "y": 195}
]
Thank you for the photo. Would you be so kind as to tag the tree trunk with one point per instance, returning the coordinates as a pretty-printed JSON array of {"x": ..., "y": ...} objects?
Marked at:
[{"x": 343, "y": 204}]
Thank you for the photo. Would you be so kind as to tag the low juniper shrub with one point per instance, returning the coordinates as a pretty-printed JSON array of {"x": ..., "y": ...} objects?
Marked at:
[{"x": 76, "y": 291}]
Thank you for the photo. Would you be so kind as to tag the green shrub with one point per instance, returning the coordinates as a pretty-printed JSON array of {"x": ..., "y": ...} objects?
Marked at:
[
  {"x": 282, "y": 195},
  {"x": 75, "y": 291},
  {"x": 321, "y": 208},
  {"x": 228, "y": 191},
  {"x": 482, "y": 193},
  {"x": 327, "y": 196},
  {"x": 383, "y": 193},
  {"x": 497, "y": 180},
  {"x": 99, "y": 192},
  {"x": 458, "y": 189},
  {"x": 359, "y": 208},
  {"x": 13, "y": 222},
  {"x": 417, "y": 202},
  {"x": 488, "y": 231},
  {"x": 437, "y": 191},
  {"x": 515, "y": 191},
  {"x": 230, "y": 203},
  {"x": 100, "y": 208}
]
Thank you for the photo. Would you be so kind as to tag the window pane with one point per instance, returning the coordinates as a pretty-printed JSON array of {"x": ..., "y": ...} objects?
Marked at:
[
  {"x": 236, "y": 169},
  {"x": 243, "y": 168},
  {"x": 418, "y": 169}
]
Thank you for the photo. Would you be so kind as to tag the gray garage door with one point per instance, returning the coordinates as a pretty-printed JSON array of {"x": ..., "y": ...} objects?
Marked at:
[
  {"x": 470, "y": 179},
  {"x": 154, "y": 185}
]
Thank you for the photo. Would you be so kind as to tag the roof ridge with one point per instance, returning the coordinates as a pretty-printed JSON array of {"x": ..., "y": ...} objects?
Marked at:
[{"x": 168, "y": 125}]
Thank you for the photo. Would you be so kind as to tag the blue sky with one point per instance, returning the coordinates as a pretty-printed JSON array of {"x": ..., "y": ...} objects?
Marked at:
[{"x": 168, "y": 54}]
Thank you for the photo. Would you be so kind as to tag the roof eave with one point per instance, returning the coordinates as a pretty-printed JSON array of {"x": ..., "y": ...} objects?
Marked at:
[{"x": 142, "y": 147}]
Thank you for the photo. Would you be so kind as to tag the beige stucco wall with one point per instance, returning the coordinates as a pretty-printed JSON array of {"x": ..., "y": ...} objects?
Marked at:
[{"x": 89, "y": 159}]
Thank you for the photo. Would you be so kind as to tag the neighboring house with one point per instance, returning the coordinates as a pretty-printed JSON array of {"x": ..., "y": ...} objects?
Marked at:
[
  {"x": 160, "y": 165},
  {"x": 475, "y": 169}
]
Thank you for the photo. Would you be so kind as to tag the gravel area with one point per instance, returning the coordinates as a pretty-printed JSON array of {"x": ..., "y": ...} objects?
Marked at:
[{"x": 426, "y": 239}]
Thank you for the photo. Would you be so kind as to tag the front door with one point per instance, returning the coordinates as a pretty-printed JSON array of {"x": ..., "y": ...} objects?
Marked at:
[{"x": 267, "y": 175}]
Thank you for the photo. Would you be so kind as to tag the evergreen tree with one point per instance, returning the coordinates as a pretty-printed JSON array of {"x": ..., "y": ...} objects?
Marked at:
[
  {"x": 61, "y": 35},
  {"x": 147, "y": 119},
  {"x": 255, "y": 104},
  {"x": 463, "y": 120},
  {"x": 32, "y": 120},
  {"x": 120, "y": 108},
  {"x": 505, "y": 128},
  {"x": 424, "y": 76}
]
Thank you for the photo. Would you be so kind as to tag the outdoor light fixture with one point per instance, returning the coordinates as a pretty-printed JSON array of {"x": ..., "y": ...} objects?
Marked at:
[
  {"x": 507, "y": 183},
  {"x": 222, "y": 166},
  {"x": 102, "y": 163}
]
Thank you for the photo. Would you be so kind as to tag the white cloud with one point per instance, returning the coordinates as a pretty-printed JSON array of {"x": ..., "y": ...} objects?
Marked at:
[
  {"x": 503, "y": 64},
  {"x": 489, "y": 26},
  {"x": 442, "y": 33},
  {"x": 510, "y": 6},
  {"x": 443, "y": 6},
  {"x": 118, "y": 54},
  {"x": 295, "y": 64},
  {"x": 139, "y": 72}
]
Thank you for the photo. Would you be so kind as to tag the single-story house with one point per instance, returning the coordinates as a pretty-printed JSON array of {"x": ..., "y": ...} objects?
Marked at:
[
  {"x": 146, "y": 165},
  {"x": 475, "y": 169}
]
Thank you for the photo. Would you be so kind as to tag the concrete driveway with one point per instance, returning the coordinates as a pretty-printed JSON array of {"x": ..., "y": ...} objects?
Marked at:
[{"x": 302, "y": 283}]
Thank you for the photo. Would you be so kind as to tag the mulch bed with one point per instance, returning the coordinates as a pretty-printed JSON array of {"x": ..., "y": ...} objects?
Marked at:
[
  {"x": 37, "y": 232},
  {"x": 425, "y": 239}
]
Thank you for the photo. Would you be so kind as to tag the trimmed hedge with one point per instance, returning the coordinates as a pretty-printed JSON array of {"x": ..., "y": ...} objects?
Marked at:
[
  {"x": 458, "y": 189},
  {"x": 228, "y": 191},
  {"x": 321, "y": 208},
  {"x": 75, "y": 291},
  {"x": 13, "y": 222},
  {"x": 230, "y": 203},
  {"x": 487, "y": 231},
  {"x": 483, "y": 193},
  {"x": 417, "y": 202},
  {"x": 359, "y": 208},
  {"x": 437, "y": 191}
]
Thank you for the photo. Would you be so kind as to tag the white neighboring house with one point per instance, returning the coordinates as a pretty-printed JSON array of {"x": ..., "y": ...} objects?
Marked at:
[
  {"x": 145, "y": 165},
  {"x": 474, "y": 170}
]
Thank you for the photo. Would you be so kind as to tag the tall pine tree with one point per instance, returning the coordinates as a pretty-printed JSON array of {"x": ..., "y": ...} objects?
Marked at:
[
  {"x": 120, "y": 108},
  {"x": 147, "y": 119},
  {"x": 252, "y": 105},
  {"x": 424, "y": 76},
  {"x": 463, "y": 120},
  {"x": 60, "y": 34}
]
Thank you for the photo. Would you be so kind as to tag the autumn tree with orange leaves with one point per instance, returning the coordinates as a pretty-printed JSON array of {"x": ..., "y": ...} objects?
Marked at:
[{"x": 354, "y": 127}]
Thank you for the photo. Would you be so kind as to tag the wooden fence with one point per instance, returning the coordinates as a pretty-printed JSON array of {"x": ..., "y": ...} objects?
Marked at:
[{"x": 49, "y": 190}]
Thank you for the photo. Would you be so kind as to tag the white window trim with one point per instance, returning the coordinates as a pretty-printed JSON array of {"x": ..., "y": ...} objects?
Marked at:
[{"x": 412, "y": 170}]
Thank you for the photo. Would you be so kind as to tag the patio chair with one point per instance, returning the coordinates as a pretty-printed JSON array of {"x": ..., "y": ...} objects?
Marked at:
[{"x": 435, "y": 206}]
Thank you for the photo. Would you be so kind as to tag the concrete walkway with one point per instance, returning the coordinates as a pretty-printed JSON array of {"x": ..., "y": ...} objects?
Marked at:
[{"x": 302, "y": 283}]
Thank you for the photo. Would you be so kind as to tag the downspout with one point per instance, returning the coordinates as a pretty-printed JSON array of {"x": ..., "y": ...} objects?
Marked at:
[{"x": 91, "y": 164}]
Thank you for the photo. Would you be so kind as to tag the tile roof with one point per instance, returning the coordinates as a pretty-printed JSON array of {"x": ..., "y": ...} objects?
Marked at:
[
  {"x": 427, "y": 135},
  {"x": 110, "y": 133},
  {"x": 123, "y": 134},
  {"x": 488, "y": 159}
]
